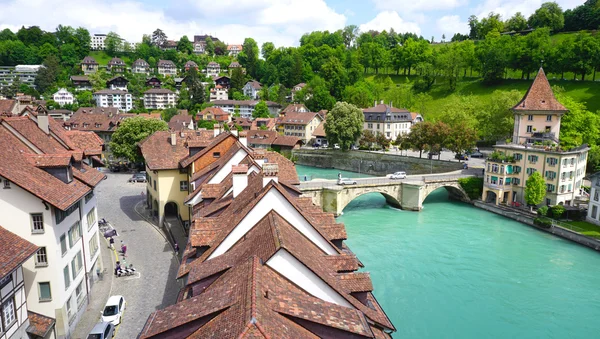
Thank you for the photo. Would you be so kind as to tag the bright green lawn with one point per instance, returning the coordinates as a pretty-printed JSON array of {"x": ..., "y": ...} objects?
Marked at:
[
  {"x": 102, "y": 58},
  {"x": 589, "y": 229}
]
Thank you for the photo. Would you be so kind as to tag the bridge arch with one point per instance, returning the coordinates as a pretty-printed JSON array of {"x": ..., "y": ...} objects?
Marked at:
[
  {"x": 391, "y": 193},
  {"x": 455, "y": 191},
  {"x": 389, "y": 199}
]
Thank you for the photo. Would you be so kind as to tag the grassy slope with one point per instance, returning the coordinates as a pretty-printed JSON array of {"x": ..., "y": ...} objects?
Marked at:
[
  {"x": 587, "y": 91},
  {"x": 102, "y": 58}
]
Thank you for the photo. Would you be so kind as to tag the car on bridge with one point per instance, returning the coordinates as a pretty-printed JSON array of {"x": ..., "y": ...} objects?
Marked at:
[
  {"x": 397, "y": 175},
  {"x": 346, "y": 181}
]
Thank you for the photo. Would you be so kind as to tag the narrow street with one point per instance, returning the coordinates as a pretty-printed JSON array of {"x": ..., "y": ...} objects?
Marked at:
[{"x": 147, "y": 249}]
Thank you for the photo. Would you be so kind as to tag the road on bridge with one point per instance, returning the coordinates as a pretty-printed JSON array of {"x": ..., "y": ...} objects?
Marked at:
[{"x": 386, "y": 180}]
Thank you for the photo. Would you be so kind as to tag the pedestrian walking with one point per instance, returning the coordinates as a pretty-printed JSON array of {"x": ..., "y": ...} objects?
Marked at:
[
  {"x": 176, "y": 247},
  {"x": 123, "y": 248},
  {"x": 111, "y": 243}
]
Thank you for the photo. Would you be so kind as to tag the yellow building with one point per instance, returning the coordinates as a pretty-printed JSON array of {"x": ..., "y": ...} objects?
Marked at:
[
  {"x": 535, "y": 148},
  {"x": 300, "y": 124}
]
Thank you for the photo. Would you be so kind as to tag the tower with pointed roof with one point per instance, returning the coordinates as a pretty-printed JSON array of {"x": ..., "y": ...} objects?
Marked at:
[{"x": 535, "y": 147}]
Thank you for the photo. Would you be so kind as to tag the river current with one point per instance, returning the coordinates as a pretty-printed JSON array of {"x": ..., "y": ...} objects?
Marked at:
[{"x": 455, "y": 271}]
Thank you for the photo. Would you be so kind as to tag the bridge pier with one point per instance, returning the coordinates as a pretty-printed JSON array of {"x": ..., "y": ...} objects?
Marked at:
[{"x": 412, "y": 196}]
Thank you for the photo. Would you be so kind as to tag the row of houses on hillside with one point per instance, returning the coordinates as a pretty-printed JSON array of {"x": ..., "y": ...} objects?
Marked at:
[
  {"x": 49, "y": 238},
  {"x": 259, "y": 258}
]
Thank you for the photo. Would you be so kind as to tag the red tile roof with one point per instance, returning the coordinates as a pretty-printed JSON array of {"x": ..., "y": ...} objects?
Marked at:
[
  {"x": 160, "y": 154},
  {"x": 294, "y": 108},
  {"x": 39, "y": 325},
  {"x": 539, "y": 96},
  {"x": 89, "y": 142},
  {"x": 7, "y": 106},
  {"x": 14, "y": 251},
  {"x": 320, "y": 130},
  {"x": 298, "y": 118}
]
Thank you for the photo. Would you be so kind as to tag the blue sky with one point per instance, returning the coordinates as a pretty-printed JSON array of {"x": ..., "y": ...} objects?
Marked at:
[{"x": 280, "y": 21}]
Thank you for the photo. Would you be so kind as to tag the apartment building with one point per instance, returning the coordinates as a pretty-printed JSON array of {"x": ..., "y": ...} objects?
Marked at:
[
  {"x": 97, "y": 42},
  {"x": 166, "y": 68},
  {"x": 219, "y": 93},
  {"x": 535, "y": 148},
  {"x": 159, "y": 98},
  {"x": 117, "y": 83},
  {"x": 89, "y": 65},
  {"x": 390, "y": 121},
  {"x": 213, "y": 69},
  {"x": 140, "y": 66},
  {"x": 300, "y": 124},
  {"x": 234, "y": 50},
  {"x": 252, "y": 89},
  {"x": 63, "y": 97},
  {"x": 189, "y": 65},
  {"x": 81, "y": 82},
  {"x": 593, "y": 214},
  {"x": 116, "y": 65},
  {"x": 25, "y": 74},
  {"x": 48, "y": 198},
  {"x": 245, "y": 107},
  {"x": 120, "y": 99}
]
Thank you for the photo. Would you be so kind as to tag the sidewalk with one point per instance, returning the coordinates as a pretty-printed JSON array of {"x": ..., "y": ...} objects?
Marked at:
[
  {"x": 99, "y": 294},
  {"x": 174, "y": 228}
]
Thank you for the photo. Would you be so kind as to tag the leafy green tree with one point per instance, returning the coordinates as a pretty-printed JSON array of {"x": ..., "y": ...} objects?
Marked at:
[
  {"x": 46, "y": 50},
  {"x": 7, "y": 34},
  {"x": 367, "y": 139},
  {"x": 548, "y": 15},
  {"x": 344, "y": 124},
  {"x": 419, "y": 136},
  {"x": 83, "y": 38},
  {"x": 195, "y": 87},
  {"x": 579, "y": 126},
  {"x": 238, "y": 79},
  {"x": 349, "y": 34},
  {"x": 210, "y": 46},
  {"x": 336, "y": 77},
  {"x": 492, "y": 56},
  {"x": 68, "y": 55},
  {"x": 47, "y": 75},
  {"x": 495, "y": 120},
  {"x": 359, "y": 94},
  {"x": 112, "y": 43},
  {"x": 474, "y": 27},
  {"x": 535, "y": 189},
  {"x": 261, "y": 110},
  {"x": 461, "y": 138},
  {"x": 249, "y": 56},
  {"x": 585, "y": 52},
  {"x": 266, "y": 50},
  {"x": 124, "y": 142},
  {"x": 31, "y": 36},
  {"x": 493, "y": 22},
  {"x": 168, "y": 113},
  {"x": 517, "y": 23},
  {"x": 159, "y": 38},
  {"x": 85, "y": 99}
]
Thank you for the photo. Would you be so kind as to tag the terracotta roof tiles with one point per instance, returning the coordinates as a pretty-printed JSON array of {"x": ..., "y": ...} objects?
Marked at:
[
  {"x": 39, "y": 325},
  {"x": 14, "y": 251},
  {"x": 539, "y": 96}
]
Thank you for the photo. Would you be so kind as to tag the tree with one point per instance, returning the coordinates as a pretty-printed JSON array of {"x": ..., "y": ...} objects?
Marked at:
[
  {"x": 535, "y": 189},
  {"x": 366, "y": 140},
  {"x": 492, "y": 56},
  {"x": 517, "y": 23},
  {"x": 493, "y": 22},
  {"x": 344, "y": 124},
  {"x": 7, "y": 34},
  {"x": 261, "y": 110},
  {"x": 548, "y": 15},
  {"x": 210, "y": 46},
  {"x": 267, "y": 49},
  {"x": 112, "y": 43},
  {"x": 195, "y": 87},
  {"x": 184, "y": 45},
  {"x": 168, "y": 113},
  {"x": 238, "y": 79},
  {"x": 474, "y": 27},
  {"x": 461, "y": 138},
  {"x": 336, "y": 77},
  {"x": 349, "y": 34},
  {"x": 159, "y": 38},
  {"x": 47, "y": 75},
  {"x": 419, "y": 136},
  {"x": 85, "y": 99},
  {"x": 124, "y": 142},
  {"x": 83, "y": 44},
  {"x": 249, "y": 56}
]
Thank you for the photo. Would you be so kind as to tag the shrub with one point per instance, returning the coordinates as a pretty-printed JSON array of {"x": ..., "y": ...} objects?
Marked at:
[
  {"x": 557, "y": 211},
  {"x": 473, "y": 187},
  {"x": 543, "y": 222},
  {"x": 542, "y": 211}
]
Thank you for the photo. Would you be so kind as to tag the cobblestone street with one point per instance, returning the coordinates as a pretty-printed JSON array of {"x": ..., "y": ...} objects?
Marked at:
[{"x": 147, "y": 249}]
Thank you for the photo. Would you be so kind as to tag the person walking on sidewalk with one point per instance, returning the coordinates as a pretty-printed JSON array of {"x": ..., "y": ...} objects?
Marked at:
[
  {"x": 123, "y": 249},
  {"x": 111, "y": 243},
  {"x": 176, "y": 248}
]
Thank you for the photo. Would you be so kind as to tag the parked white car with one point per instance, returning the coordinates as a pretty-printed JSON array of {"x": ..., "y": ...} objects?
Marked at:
[
  {"x": 397, "y": 175},
  {"x": 113, "y": 310},
  {"x": 102, "y": 330},
  {"x": 346, "y": 181}
]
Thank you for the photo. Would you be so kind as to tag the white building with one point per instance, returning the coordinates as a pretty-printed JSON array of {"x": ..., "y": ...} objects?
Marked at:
[
  {"x": 252, "y": 89},
  {"x": 390, "y": 121},
  {"x": 25, "y": 73},
  {"x": 166, "y": 67},
  {"x": 246, "y": 107},
  {"x": 159, "y": 98},
  {"x": 63, "y": 97},
  {"x": 234, "y": 50},
  {"x": 213, "y": 69},
  {"x": 97, "y": 42},
  {"x": 122, "y": 100},
  {"x": 140, "y": 66},
  {"x": 14, "y": 318},
  {"x": 48, "y": 198},
  {"x": 593, "y": 215},
  {"x": 219, "y": 93}
]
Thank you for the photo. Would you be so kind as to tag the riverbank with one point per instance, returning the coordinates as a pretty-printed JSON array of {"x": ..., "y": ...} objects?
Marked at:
[{"x": 528, "y": 220}]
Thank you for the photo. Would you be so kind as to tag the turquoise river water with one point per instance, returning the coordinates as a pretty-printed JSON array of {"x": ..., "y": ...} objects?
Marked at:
[{"x": 455, "y": 271}]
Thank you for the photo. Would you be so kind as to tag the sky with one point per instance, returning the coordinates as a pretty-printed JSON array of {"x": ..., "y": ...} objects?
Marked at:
[{"x": 280, "y": 21}]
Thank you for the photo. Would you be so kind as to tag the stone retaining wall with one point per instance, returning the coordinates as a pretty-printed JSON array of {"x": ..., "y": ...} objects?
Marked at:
[
  {"x": 556, "y": 230},
  {"x": 373, "y": 163}
]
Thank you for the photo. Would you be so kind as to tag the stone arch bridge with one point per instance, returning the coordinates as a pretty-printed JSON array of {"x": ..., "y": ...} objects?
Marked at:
[{"x": 407, "y": 194}]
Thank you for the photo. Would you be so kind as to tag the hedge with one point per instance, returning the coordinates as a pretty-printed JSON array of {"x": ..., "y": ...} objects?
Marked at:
[{"x": 473, "y": 186}]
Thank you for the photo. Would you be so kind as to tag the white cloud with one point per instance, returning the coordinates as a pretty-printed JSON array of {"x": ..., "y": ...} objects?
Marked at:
[
  {"x": 451, "y": 24},
  {"x": 418, "y": 5},
  {"x": 390, "y": 19},
  {"x": 283, "y": 22}
]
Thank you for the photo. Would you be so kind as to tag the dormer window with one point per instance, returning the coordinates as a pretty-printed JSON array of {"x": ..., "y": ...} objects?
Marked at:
[
  {"x": 6, "y": 184},
  {"x": 216, "y": 154}
]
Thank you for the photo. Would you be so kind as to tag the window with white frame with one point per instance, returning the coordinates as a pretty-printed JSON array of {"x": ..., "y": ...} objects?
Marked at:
[
  {"x": 91, "y": 217},
  {"x": 530, "y": 129},
  {"x": 63, "y": 244},
  {"x": 9, "y": 314},
  {"x": 67, "y": 277},
  {"x": 76, "y": 265},
  {"x": 93, "y": 245},
  {"x": 37, "y": 223},
  {"x": 74, "y": 234},
  {"x": 41, "y": 257}
]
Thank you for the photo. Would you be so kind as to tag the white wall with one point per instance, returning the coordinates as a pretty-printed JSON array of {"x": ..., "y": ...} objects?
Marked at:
[
  {"x": 295, "y": 271},
  {"x": 274, "y": 201},
  {"x": 225, "y": 170}
]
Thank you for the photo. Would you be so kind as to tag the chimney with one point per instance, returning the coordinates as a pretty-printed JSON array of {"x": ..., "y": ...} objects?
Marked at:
[
  {"x": 216, "y": 129},
  {"x": 42, "y": 121},
  {"x": 173, "y": 138},
  {"x": 270, "y": 172},
  {"x": 240, "y": 178},
  {"x": 243, "y": 138},
  {"x": 259, "y": 156}
]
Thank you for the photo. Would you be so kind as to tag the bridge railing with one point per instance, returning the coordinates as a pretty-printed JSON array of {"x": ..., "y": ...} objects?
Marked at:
[{"x": 318, "y": 184}]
